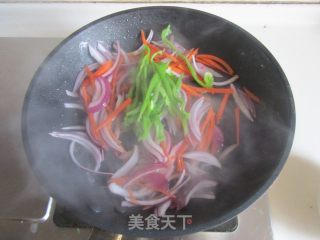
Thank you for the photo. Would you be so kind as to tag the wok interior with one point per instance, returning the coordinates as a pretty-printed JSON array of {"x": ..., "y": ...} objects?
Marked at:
[{"x": 242, "y": 179}]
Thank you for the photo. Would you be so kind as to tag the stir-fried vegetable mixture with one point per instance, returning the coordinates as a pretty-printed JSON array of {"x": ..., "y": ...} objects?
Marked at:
[{"x": 163, "y": 94}]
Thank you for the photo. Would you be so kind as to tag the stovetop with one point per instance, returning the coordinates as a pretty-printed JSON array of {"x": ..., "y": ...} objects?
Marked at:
[
  {"x": 254, "y": 223},
  {"x": 26, "y": 210}
]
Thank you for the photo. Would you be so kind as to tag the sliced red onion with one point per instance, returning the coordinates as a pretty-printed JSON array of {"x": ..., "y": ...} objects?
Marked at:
[
  {"x": 168, "y": 142},
  {"x": 129, "y": 65},
  {"x": 124, "y": 156},
  {"x": 72, "y": 94},
  {"x": 100, "y": 116},
  {"x": 104, "y": 97},
  {"x": 97, "y": 92},
  {"x": 175, "y": 148},
  {"x": 194, "y": 142},
  {"x": 127, "y": 167},
  {"x": 226, "y": 82},
  {"x": 117, "y": 130},
  {"x": 201, "y": 69},
  {"x": 225, "y": 153},
  {"x": 180, "y": 183},
  {"x": 74, "y": 159},
  {"x": 116, "y": 62},
  {"x": 122, "y": 79},
  {"x": 82, "y": 75},
  {"x": 170, "y": 164},
  {"x": 138, "y": 174},
  {"x": 159, "y": 44},
  {"x": 240, "y": 103},
  {"x": 181, "y": 178},
  {"x": 143, "y": 193},
  {"x": 122, "y": 191},
  {"x": 197, "y": 111},
  {"x": 154, "y": 145},
  {"x": 140, "y": 49},
  {"x": 154, "y": 149},
  {"x": 74, "y": 106},
  {"x": 199, "y": 186},
  {"x": 156, "y": 201},
  {"x": 139, "y": 177},
  {"x": 179, "y": 46},
  {"x": 96, "y": 116},
  {"x": 150, "y": 36},
  {"x": 88, "y": 130},
  {"x": 106, "y": 53},
  {"x": 217, "y": 140},
  {"x": 120, "y": 99},
  {"x": 203, "y": 157},
  {"x": 162, "y": 208},
  {"x": 118, "y": 190},
  {"x": 127, "y": 204},
  {"x": 194, "y": 170},
  {"x": 83, "y": 140},
  {"x": 96, "y": 55},
  {"x": 75, "y": 127},
  {"x": 169, "y": 171},
  {"x": 184, "y": 95},
  {"x": 151, "y": 202},
  {"x": 247, "y": 102},
  {"x": 125, "y": 56},
  {"x": 157, "y": 181},
  {"x": 110, "y": 141},
  {"x": 204, "y": 196}
]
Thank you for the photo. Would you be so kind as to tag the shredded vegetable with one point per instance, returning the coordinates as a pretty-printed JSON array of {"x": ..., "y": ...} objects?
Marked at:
[{"x": 163, "y": 95}]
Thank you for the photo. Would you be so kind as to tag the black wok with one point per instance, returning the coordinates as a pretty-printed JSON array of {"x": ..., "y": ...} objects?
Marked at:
[{"x": 245, "y": 176}]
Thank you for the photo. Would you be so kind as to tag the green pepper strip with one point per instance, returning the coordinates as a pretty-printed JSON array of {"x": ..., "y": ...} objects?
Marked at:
[
  {"x": 154, "y": 91},
  {"x": 208, "y": 77}
]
